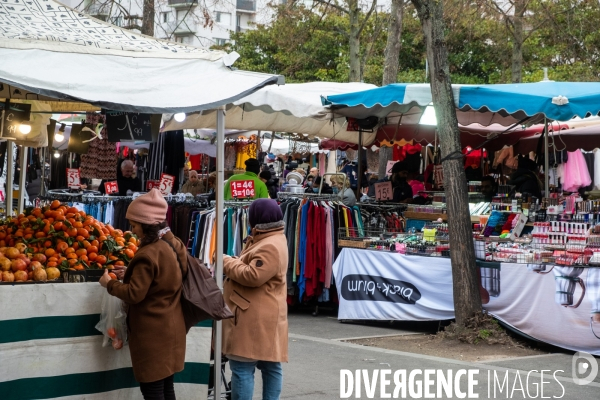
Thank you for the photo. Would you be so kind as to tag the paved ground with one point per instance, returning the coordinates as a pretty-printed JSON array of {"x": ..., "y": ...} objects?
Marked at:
[{"x": 317, "y": 356}]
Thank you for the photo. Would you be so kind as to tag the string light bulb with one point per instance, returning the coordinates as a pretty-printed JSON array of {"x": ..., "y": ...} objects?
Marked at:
[
  {"x": 25, "y": 128},
  {"x": 179, "y": 117},
  {"x": 60, "y": 135},
  {"x": 56, "y": 154}
]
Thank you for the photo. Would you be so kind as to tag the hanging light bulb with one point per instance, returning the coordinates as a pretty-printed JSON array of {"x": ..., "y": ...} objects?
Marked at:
[
  {"x": 56, "y": 154},
  {"x": 25, "y": 128},
  {"x": 60, "y": 135},
  {"x": 179, "y": 117}
]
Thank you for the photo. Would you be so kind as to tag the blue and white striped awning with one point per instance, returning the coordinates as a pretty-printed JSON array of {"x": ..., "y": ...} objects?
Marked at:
[{"x": 505, "y": 104}]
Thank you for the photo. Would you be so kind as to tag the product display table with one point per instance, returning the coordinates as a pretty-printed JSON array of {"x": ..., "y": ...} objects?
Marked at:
[
  {"x": 547, "y": 303},
  {"x": 49, "y": 348}
]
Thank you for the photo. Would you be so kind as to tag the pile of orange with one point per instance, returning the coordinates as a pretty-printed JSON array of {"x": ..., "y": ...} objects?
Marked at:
[{"x": 58, "y": 237}]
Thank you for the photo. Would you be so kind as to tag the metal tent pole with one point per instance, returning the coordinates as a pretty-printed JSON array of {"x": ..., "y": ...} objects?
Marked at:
[
  {"x": 10, "y": 163},
  {"x": 360, "y": 166},
  {"x": 546, "y": 177},
  {"x": 220, "y": 192},
  {"x": 22, "y": 179}
]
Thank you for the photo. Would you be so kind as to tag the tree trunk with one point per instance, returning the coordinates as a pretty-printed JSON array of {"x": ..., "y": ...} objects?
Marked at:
[
  {"x": 354, "y": 41},
  {"x": 467, "y": 299},
  {"x": 393, "y": 45},
  {"x": 390, "y": 68},
  {"x": 517, "y": 50},
  {"x": 148, "y": 18}
]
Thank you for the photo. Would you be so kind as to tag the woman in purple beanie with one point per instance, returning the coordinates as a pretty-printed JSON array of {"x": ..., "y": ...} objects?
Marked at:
[{"x": 255, "y": 291}]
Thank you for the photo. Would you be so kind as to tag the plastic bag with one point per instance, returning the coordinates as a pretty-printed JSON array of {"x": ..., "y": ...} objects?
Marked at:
[{"x": 113, "y": 322}]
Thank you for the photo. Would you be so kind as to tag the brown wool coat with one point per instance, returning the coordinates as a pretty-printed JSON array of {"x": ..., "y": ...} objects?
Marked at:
[
  {"x": 255, "y": 291},
  {"x": 152, "y": 289}
]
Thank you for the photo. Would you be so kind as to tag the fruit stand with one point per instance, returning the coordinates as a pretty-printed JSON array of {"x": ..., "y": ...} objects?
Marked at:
[{"x": 50, "y": 346}]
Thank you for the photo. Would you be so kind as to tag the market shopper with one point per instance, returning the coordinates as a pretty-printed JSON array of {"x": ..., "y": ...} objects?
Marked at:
[
  {"x": 402, "y": 191},
  {"x": 126, "y": 181},
  {"x": 267, "y": 178},
  {"x": 151, "y": 289},
  {"x": 251, "y": 174},
  {"x": 341, "y": 186},
  {"x": 255, "y": 291},
  {"x": 193, "y": 185}
]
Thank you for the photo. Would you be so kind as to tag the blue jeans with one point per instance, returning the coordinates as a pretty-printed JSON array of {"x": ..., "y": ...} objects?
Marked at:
[{"x": 242, "y": 379}]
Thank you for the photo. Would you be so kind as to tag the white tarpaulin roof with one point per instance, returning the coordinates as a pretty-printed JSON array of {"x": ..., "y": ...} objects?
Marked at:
[
  {"x": 52, "y": 50},
  {"x": 295, "y": 107}
]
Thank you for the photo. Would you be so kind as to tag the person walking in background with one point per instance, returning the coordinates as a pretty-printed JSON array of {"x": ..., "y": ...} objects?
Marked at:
[
  {"x": 255, "y": 291},
  {"x": 251, "y": 174},
  {"x": 193, "y": 185},
  {"x": 152, "y": 289}
]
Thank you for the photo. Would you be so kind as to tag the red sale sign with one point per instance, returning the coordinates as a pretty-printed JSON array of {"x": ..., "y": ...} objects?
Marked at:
[
  {"x": 242, "y": 189},
  {"x": 152, "y": 184},
  {"x": 166, "y": 184},
  {"x": 111, "y": 187},
  {"x": 73, "y": 180}
]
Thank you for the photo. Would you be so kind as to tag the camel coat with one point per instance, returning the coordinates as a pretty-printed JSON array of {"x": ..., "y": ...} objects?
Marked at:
[
  {"x": 255, "y": 291},
  {"x": 152, "y": 289}
]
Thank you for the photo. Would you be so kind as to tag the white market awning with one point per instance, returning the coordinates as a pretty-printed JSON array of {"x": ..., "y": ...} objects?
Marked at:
[
  {"x": 49, "y": 50},
  {"x": 293, "y": 108}
]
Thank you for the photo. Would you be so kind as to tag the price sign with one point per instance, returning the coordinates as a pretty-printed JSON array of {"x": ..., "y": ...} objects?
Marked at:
[
  {"x": 111, "y": 187},
  {"x": 388, "y": 167},
  {"x": 152, "y": 184},
  {"x": 166, "y": 184},
  {"x": 73, "y": 180},
  {"x": 241, "y": 189},
  {"x": 383, "y": 191}
]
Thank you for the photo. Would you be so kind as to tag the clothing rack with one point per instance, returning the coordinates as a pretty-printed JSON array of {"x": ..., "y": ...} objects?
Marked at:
[
  {"x": 233, "y": 203},
  {"x": 310, "y": 196}
]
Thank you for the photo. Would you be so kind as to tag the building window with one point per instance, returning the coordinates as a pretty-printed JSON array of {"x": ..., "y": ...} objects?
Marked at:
[
  {"x": 223, "y": 18},
  {"x": 165, "y": 16},
  {"x": 221, "y": 42}
]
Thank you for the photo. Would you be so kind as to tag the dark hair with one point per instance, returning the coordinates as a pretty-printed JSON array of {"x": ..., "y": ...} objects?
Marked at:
[
  {"x": 265, "y": 175},
  {"x": 151, "y": 233}
]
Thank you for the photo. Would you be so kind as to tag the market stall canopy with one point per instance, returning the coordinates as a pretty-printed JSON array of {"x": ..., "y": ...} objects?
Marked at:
[
  {"x": 505, "y": 104},
  {"x": 285, "y": 146},
  {"x": 492, "y": 137},
  {"x": 50, "y": 51},
  {"x": 586, "y": 138},
  {"x": 293, "y": 108}
]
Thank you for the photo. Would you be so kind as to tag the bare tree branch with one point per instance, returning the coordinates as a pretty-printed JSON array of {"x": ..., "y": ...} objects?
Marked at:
[
  {"x": 373, "y": 5},
  {"x": 334, "y": 5}
]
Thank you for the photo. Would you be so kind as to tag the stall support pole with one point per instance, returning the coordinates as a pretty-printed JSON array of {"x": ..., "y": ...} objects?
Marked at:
[
  {"x": 360, "y": 167},
  {"x": 10, "y": 163},
  {"x": 546, "y": 169},
  {"x": 219, "y": 250},
  {"x": 22, "y": 178}
]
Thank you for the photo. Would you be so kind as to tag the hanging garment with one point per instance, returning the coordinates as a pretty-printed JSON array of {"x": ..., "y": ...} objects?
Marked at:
[
  {"x": 576, "y": 174},
  {"x": 101, "y": 159},
  {"x": 597, "y": 168}
]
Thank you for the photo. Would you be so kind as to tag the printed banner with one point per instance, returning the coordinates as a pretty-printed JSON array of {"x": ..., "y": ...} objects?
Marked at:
[
  {"x": 73, "y": 180},
  {"x": 559, "y": 305},
  {"x": 388, "y": 286}
]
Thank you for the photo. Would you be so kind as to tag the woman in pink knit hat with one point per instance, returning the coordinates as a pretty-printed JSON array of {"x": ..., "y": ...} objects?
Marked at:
[{"x": 151, "y": 288}]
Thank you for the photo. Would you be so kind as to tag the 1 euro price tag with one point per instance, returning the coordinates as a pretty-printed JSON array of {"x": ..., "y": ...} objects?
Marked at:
[
  {"x": 383, "y": 191},
  {"x": 111, "y": 187},
  {"x": 73, "y": 178},
  {"x": 166, "y": 184},
  {"x": 242, "y": 189}
]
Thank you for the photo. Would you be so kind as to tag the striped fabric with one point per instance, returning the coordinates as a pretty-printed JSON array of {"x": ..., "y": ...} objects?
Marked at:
[{"x": 50, "y": 349}]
